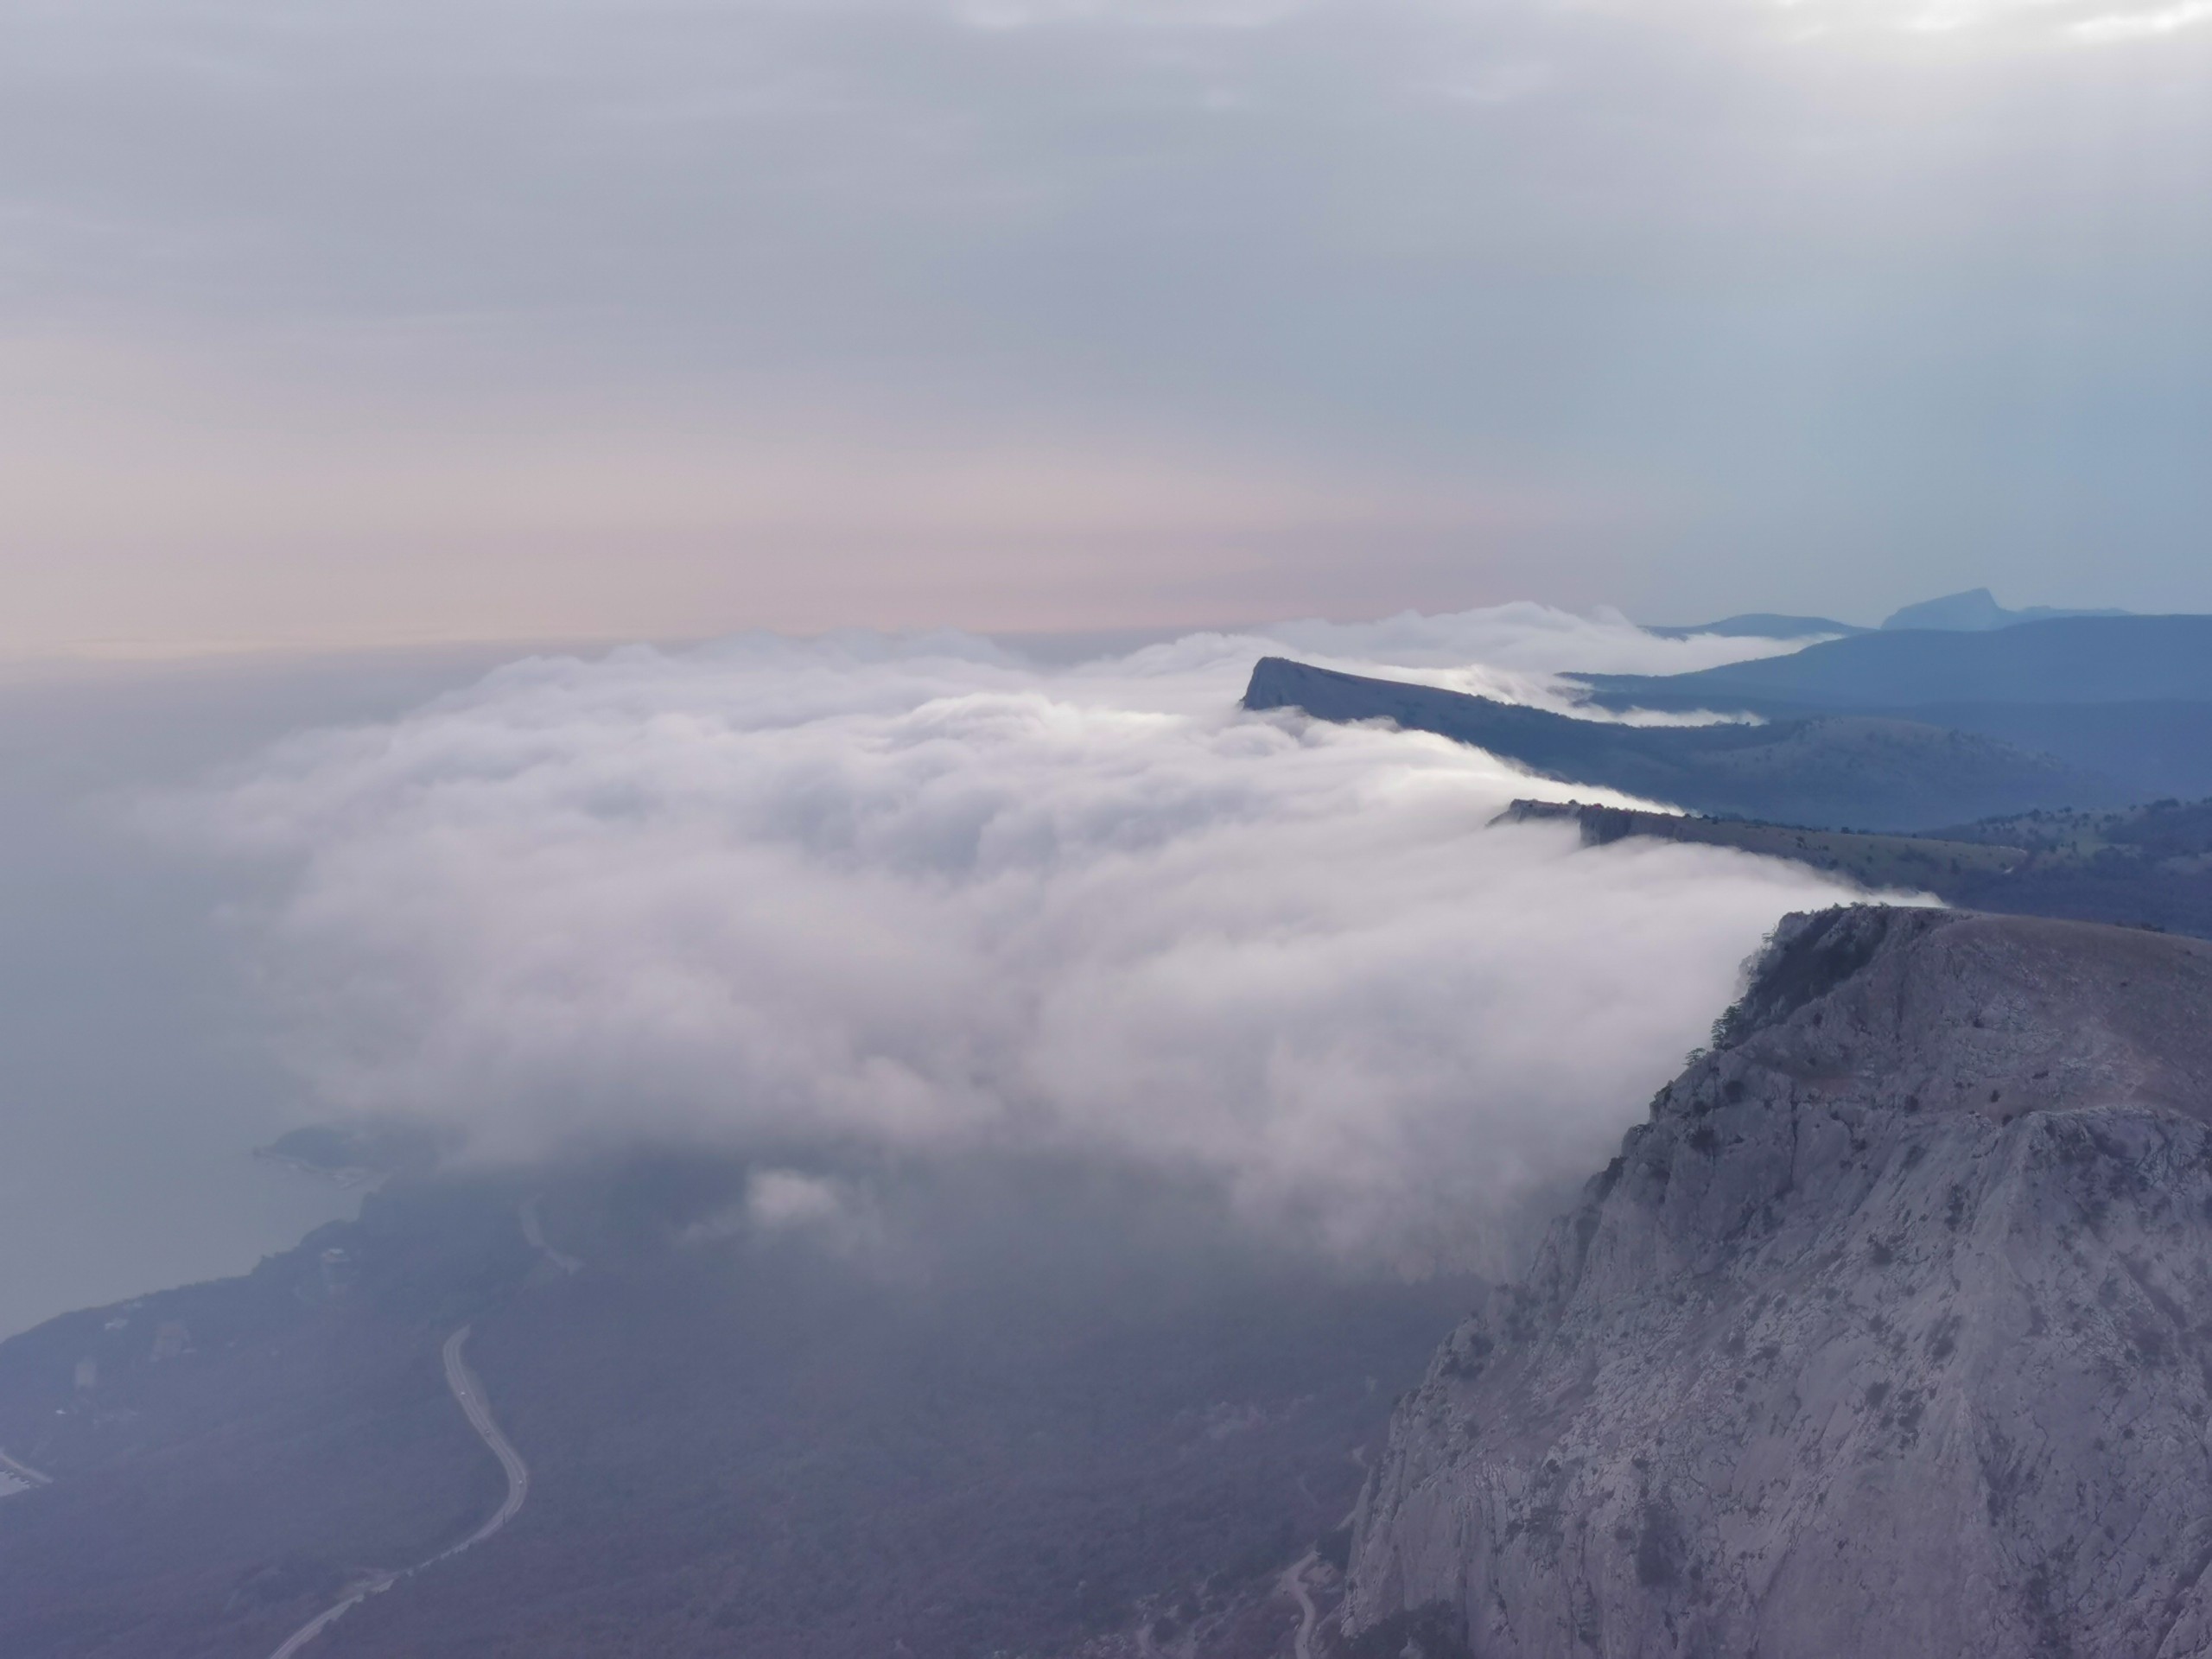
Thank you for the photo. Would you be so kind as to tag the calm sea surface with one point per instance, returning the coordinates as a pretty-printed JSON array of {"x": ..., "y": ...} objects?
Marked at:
[{"x": 136, "y": 1069}]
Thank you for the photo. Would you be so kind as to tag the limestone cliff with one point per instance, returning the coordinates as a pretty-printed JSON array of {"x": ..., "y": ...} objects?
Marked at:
[{"x": 1890, "y": 1333}]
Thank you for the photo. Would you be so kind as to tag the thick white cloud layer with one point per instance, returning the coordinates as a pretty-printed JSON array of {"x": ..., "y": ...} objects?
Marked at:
[{"x": 919, "y": 897}]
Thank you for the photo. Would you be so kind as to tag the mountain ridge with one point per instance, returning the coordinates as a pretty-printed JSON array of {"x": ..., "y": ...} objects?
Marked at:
[
  {"x": 2061, "y": 660},
  {"x": 1976, "y": 610},
  {"x": 1827, "y": 771},
  {"x": 1890, "y": 1330}
]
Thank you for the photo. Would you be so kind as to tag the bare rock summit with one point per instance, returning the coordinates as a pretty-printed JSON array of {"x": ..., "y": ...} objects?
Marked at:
[{"x": 1890, "y": 1333}]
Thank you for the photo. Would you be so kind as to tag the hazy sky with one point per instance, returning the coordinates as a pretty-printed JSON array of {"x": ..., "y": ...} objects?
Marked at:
[{"x": 361, "y": 321}]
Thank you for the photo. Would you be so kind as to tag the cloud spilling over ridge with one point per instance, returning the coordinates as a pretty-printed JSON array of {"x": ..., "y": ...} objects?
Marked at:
[
  {"x": 917, "y": 897},
  {"x": 1516, "y": 653}
]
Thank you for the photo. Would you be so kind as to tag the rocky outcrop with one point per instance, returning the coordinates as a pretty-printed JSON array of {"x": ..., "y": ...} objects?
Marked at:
[{"x": 1890, "y": 1333}]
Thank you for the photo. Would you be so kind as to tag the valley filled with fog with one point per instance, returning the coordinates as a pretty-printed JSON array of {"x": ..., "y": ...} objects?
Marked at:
[{"x": 865, "y": 895}]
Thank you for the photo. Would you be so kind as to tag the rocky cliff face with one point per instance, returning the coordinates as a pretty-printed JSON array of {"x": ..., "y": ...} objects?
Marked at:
[{"x": 1890, "y": 1333}]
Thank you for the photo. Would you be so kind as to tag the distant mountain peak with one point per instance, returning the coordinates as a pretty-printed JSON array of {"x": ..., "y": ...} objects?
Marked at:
[{"x": 1976, "y": 611}]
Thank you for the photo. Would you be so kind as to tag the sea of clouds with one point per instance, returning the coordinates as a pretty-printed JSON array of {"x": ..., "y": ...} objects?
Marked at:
[{"x": 922, "y": 898}]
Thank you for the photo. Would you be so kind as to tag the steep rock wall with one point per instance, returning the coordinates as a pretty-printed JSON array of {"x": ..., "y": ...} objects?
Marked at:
[{"x": 1890, "y": 1332}]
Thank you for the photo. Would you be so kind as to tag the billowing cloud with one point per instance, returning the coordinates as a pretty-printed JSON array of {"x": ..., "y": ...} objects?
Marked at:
[
  {"x": 915, "y": 897},
  {"x": 824, "y": 1211}
]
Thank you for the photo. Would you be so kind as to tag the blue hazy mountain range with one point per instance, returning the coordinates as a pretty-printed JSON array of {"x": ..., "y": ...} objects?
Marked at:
[
  {"x": 1975, "y": 611},
  {"x": 1897, "y": 729},
  {"x": 2128, "y": 698},
  {"x": 1830, "y": 771},
  {"x": 2088, "y": 659}
]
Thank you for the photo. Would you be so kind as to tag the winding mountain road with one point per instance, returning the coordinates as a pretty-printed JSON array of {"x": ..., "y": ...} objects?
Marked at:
[
  {"x": 1293, "y": 1584},
  {"x": 23, "y": 1472},
  {"x": 533, "y": 1232},
  {"x": 468, "y": 1393},
  {"x": 330, "y": 1615}
]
